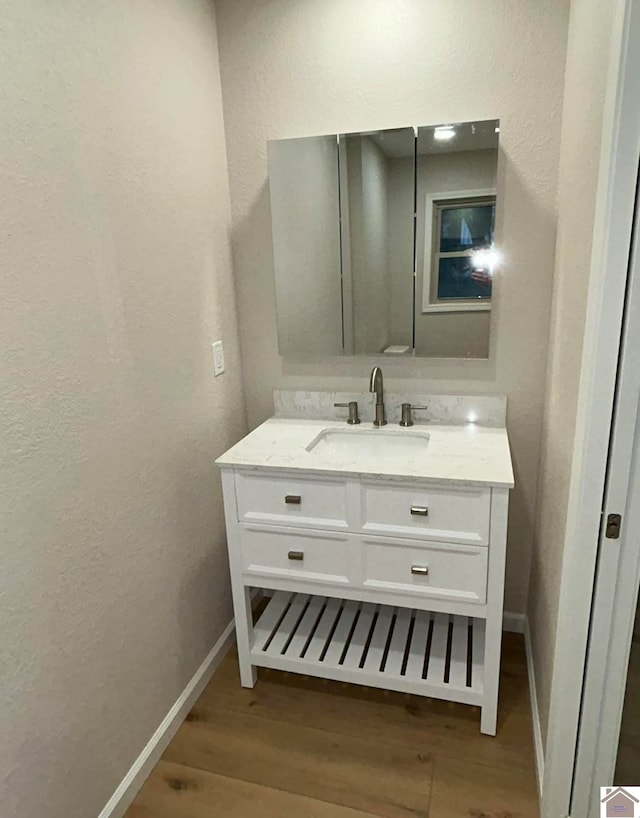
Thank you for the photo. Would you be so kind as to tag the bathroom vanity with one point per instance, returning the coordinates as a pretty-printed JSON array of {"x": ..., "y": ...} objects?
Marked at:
[{"x": 384, "y": 549}]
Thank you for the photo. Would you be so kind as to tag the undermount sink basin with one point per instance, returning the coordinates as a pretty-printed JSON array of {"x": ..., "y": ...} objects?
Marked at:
[{"x": 369, "y": 442}]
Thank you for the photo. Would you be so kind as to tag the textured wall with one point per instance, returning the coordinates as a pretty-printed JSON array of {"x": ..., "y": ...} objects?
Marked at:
[
  {"x": 586, "y": 77},
  {"x": 302, "y": 67},
  {"x": 115, "y": 277}
]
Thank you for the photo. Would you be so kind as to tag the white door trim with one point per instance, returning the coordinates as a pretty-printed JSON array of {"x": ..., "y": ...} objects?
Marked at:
[
  {"x": 617, "y": 578},
  {"x": 611, "y": 242}
]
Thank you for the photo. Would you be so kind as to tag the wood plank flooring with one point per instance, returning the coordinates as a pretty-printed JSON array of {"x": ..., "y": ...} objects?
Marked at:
[
  {"x": 307, "y": 748},
  {"x": 628, "y": 761}
]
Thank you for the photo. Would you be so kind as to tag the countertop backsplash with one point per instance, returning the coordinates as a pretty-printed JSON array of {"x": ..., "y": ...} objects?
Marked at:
[{"x": 484, "y": 410}]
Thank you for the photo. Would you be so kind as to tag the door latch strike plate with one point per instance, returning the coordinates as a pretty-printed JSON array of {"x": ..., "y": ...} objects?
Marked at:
[{"x": 612, "y": 531}]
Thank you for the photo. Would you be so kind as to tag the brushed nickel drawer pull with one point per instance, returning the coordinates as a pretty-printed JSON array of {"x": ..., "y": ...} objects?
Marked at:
[
  {"x": 422, "y": 511},
  {"x": 296, "y": 555},
  {"x": 293, "y": 499},
  {"x": 421, "y": 570}
]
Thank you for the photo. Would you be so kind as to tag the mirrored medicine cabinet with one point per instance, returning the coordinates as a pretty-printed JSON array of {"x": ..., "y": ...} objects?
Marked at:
[{"x": 383, "y": 241}]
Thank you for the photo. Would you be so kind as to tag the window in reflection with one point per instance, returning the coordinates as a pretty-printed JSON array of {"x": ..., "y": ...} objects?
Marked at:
[{"x": 461, "y": 228}]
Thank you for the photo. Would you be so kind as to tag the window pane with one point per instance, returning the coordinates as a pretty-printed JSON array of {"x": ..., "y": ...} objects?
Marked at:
[
  {"x": 458, "y": 279},
  {"x": 466, "y": 228}
]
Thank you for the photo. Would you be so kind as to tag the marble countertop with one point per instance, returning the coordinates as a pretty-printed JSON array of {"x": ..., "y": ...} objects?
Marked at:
[{"x": 463, "y": 454}]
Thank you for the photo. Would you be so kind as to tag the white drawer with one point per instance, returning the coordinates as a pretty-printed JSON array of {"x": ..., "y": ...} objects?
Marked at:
[
  {"x": 455, "y": 572},
  {"x": 441, "y": 514},
  {"x": 296, "y": 501},
  {"x": 314, "y": 556}
]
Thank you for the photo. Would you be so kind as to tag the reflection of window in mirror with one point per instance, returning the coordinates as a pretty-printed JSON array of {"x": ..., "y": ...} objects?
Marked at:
[{"x": 458, "y": 225}]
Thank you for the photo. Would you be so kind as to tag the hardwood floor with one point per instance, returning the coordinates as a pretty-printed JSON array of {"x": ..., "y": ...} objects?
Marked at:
[
  {"x": 628, "y": 761},
  {"x": 307, "y": 748}
]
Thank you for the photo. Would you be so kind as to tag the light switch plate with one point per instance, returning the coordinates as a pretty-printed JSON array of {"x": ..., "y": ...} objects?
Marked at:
[{"x": 218, "y": 358}]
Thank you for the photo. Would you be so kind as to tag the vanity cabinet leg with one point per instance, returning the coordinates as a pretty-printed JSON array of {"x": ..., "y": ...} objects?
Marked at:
[
  {"x": 491, "y": 676},
  {"x": 244, "y": 628},
  {"x": 241, "y": 594},
  {"x": 489, "y": 718},
  {"x": 495, "y": 604}
]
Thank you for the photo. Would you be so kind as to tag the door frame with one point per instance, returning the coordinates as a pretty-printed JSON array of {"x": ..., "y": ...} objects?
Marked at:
[
  {"x": 603, "y": 332},
  {"x": 617, "y": 575}
]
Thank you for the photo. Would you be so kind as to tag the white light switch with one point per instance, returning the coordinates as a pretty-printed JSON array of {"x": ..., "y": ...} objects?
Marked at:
[{"x": 218, "y": 358}]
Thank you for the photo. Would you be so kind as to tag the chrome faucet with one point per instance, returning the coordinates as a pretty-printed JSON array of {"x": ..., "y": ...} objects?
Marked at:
[{"x": 375, "y": 385}]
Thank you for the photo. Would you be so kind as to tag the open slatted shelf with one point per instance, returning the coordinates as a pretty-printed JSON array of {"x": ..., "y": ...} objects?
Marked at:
[{"x": 429, "y": 654}]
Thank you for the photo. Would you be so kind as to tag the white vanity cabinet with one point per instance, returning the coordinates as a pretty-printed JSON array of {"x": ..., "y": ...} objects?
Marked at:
[{"x": 382, "y": 580}]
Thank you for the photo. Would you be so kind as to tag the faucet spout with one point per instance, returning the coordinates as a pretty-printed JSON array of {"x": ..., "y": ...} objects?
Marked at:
[{"x": 377, "y": 387}]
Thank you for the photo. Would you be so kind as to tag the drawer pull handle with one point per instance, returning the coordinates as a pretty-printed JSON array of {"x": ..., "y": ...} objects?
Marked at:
[
  {"x": 293, "y": 499},
  {"x": 421, "y": 570},
  {"x": 296, "y": 555},
  {"x": 421, "y": 511}
]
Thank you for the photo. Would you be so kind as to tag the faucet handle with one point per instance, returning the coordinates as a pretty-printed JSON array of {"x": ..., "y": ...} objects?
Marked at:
[
  {"x": 352, "y": 406},
  {"x": 407, "y": 409}
]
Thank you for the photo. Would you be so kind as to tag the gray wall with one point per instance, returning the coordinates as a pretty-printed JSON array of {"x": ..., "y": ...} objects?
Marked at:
[
  {"x": 305, "y": 218},
  {"x": 587, "y": 63},
  {"x": 367, "y": 185},
  {"x": 115, "y": 278},
  {"x": 400, "y": 249}
]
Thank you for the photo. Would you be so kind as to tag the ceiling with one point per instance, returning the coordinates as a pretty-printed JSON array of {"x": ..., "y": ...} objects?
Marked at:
[{"x": 469, "y": 136}]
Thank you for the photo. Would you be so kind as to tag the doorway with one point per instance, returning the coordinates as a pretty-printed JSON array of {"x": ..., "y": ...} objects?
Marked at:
[
  {"x": 608, "y": 749},
  {"x": 600, "y": 574}
]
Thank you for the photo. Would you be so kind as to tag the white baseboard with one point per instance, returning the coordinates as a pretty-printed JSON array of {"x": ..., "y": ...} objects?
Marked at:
[
  {"x": 535, "y": 713},
  {"x": 513, "y": 622},
  {"x": 149, "y": 757}
]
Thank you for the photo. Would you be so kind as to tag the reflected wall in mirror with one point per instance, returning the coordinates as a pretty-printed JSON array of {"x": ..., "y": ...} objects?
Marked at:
[
  {"x": 305, "y": 218},
  {"x": 383, "y": 241},
  {"x": 456, "y": 203},
  {"x": 377, "y": 205}
]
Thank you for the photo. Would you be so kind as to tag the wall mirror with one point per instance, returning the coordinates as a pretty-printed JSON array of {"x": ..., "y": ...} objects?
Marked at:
[{"x": 384, "y": 241}]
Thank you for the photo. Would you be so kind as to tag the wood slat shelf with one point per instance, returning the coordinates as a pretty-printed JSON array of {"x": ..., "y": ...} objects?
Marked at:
[{"x": 428, "y": 654}]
